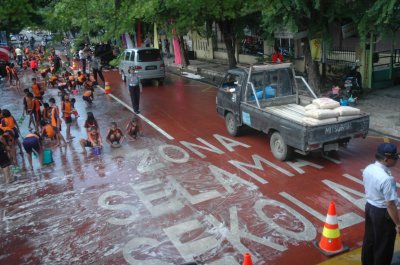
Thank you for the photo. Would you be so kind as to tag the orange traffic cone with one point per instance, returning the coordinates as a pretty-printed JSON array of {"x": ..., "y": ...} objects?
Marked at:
[
  {"x": 107, "y": 88},
  {"x": 247, "y": 259},
  {"x": 330, "y": 243}
]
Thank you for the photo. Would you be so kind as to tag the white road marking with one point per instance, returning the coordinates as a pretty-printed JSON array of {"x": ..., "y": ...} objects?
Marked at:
[{"x": 149, "y": 122}]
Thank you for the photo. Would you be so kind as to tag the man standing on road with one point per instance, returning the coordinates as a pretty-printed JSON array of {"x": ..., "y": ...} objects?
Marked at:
[
  {"x": 96, "y": 69},
  {"x": 19, "y": 54},
  {"x": 82, "y": 58},
  {"x": 382, "y": 219},
  {"x": 32, "y": 42},
  {"x": 135, "y": 88}
]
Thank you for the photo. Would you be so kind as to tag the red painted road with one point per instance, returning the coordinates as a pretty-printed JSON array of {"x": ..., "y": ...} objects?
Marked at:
[{"x": 203, "y": 195}]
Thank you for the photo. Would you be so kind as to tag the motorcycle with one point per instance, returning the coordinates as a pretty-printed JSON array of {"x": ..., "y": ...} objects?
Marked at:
[{"x": 352, "y": 84}]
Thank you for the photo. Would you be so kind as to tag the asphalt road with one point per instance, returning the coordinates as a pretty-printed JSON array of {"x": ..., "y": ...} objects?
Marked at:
[{"x": 184, "y": 191}]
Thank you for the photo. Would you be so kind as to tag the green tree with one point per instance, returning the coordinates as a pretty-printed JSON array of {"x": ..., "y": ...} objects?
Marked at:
[
  {"x": 381, "y": 16},
  {"x": 313, "y": 16},
  {"x": 15, "y": 15}
]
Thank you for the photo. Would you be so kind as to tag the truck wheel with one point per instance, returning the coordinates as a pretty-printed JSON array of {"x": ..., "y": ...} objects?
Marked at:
[
  {"x": 231, "y": 124},
  {"x": 279, "y": 148}
]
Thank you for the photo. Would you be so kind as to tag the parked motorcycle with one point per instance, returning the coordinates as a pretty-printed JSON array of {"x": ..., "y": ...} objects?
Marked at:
[{"x": 352, "y": 84}]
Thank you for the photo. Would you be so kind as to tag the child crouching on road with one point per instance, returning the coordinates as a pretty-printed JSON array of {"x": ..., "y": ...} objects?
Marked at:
[
  {"x": 88, "y": 96},
  {"x": 132, "y": 129},
  {"x": 93, "y": 141},
  {"x": 115, "y": 137}
]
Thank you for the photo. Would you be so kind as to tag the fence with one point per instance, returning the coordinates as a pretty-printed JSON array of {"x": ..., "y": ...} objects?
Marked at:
[{"x": 340, "y": 57}]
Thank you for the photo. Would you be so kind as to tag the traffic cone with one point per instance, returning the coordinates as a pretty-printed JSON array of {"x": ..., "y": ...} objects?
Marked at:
[
  {"x": 107, "y": 87},
  {"x": 247, "y": 259},
  {"x": 330, "y": 243}
]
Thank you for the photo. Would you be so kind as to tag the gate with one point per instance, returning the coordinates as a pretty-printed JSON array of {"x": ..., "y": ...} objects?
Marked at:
[{"x": 381, "y": 68}]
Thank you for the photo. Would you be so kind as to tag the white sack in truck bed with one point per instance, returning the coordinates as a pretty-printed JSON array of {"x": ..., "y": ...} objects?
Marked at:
[
  {"x": 347, "y": 111},
  {"x": 326, "y": 103},
  {"x": 311, "y": 106},
  {"x": 321, "y": 114},
  {"x": 315, "y": 122}
]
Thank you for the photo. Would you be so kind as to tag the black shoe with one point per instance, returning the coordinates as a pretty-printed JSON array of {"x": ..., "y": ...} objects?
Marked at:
[{"x": 136, "y": 111}]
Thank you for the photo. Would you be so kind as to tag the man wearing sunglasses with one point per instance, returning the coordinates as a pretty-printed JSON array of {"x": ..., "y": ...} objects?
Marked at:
[{"x": 382, "y": 220}]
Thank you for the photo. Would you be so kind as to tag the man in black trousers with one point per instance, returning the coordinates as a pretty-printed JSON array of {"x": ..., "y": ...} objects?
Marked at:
[
  {"x": 135, "y": 88},
  {"x": 382, "y": 220}
]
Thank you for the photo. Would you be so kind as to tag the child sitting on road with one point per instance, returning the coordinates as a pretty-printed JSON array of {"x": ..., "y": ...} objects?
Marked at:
[
  {"x": 115, "y": 137},
  {"x": 132, "y": 129}
]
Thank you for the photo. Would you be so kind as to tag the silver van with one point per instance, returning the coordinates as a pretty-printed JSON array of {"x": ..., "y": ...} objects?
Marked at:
[{"x": 148, "y": 63}]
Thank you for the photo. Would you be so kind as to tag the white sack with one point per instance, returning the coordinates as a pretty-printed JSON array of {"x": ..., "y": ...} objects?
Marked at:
[
  {"x": 326, "y": 103},
  {"x": 321, "y": 114},
  {"x": 347, "y": 111}
]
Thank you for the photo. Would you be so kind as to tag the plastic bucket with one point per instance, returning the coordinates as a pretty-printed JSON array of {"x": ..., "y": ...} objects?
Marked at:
[
  {"x": 96, "y": 150},
  {"x": 47, "y": 156}
]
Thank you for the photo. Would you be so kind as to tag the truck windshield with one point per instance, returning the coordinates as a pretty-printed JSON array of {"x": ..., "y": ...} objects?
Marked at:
[{"x": 270, "y": 84}]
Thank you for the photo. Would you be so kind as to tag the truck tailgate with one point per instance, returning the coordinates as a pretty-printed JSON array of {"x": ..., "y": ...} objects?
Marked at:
[{"x": 340, "y": 130}]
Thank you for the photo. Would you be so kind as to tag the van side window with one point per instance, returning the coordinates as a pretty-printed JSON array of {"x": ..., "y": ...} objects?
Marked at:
[
  {"x": 132, "y": 56},
  {"x": 127, "y": 55}
]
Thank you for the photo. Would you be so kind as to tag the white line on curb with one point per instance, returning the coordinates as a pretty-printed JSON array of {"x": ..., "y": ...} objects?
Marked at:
[{"x": 149, "y": 122}]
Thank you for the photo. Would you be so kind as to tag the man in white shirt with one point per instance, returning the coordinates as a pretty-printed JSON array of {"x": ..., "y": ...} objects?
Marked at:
[
  {"x": 382, "y": 219},
  {"x": 135, "y": 88},
  {"x": 19, "y": 54},
  {"x": 82, "y": 58}
]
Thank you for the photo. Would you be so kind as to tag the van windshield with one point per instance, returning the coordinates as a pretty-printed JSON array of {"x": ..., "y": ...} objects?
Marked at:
[{"x": 149, "y": 55}]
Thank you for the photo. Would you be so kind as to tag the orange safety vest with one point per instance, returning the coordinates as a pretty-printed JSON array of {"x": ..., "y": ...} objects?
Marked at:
[
  {"x": 87, "y": 93},
  {"x": 36, "y": 90},
  {"x": 81, "y": 78},
  {"x": 55, "y": 116},
  {"x": 67, "y": 108},
  {"x": 8, "y": 122},
  {"x": 49, "y": 131}
]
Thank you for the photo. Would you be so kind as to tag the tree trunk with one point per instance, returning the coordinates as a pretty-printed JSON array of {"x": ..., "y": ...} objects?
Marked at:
[
  {"x": 185, "y": 59},
  {"x": 228, "y": 34},
  {"x": 312, "y": 68}
]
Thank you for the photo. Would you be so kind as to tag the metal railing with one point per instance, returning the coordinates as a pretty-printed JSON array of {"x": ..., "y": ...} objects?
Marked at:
[{"x": 343, "y": 57}]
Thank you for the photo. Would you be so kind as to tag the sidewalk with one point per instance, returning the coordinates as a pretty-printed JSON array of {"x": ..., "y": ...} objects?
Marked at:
[{"x": 383, "y": 105}]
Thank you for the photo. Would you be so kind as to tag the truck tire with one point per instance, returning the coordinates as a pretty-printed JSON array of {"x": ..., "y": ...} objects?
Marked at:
[
  {"x": 279, "y": 148},
  {"x": 231, "y": 124}
]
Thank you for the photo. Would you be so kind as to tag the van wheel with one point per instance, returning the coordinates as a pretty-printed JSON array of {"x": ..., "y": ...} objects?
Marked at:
[
  {"x": 279, "y": 148},
  {"x": 231, "y": 124}
]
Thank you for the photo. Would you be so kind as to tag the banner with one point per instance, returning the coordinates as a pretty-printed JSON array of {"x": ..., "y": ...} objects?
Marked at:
[
  {"x": 316, "y": 49},
  {"x": 155, "y": 36},
  {"x": 139, "y": 35},
  {"x": 177, "y": 50},
  {"x": 128, "y": 40}
]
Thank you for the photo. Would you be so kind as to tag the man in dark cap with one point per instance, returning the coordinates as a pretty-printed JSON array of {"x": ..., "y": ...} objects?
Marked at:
[{"x": 382, "y": 220}]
